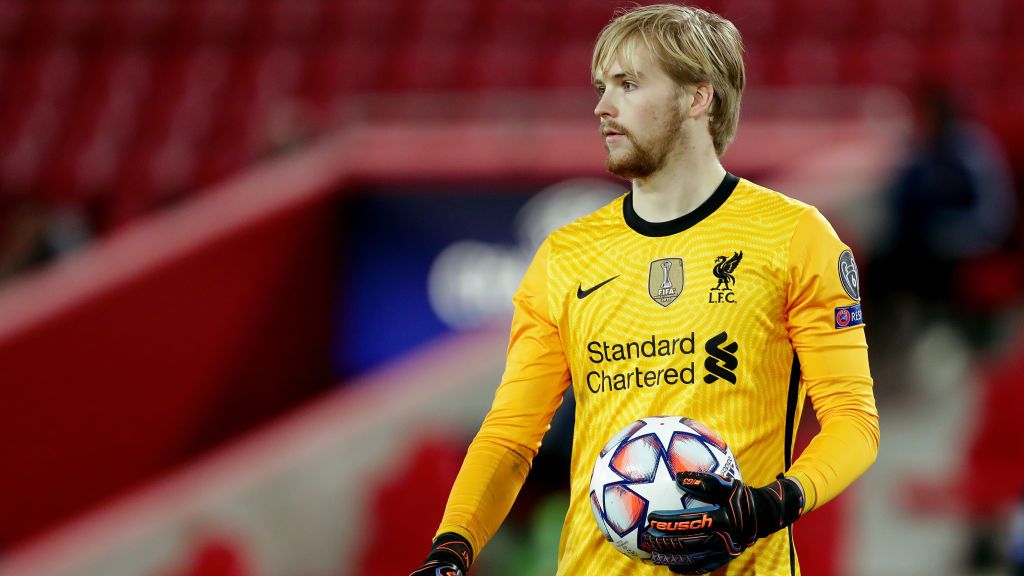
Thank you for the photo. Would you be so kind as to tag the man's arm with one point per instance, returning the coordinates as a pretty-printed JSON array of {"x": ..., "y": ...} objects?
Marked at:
[
  {"x": 499, "y": 458},
  {"x": 827, "y": 331}
]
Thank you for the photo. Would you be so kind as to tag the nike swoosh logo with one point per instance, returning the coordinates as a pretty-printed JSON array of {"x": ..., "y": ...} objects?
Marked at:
[{"x": 581, "y": 293}]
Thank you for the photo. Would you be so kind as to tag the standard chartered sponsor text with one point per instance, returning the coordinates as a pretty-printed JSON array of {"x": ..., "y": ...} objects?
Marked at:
[{"x": 613, "y": 378}]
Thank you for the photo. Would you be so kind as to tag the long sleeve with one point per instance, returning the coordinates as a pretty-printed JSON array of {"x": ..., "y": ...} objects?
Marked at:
[
  {"x": 826, "y": 329},
  {"x": 500, "y": 456}
]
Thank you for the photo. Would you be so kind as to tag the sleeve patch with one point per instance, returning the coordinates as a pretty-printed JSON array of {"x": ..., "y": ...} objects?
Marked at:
[
  {"x": 847, "y": 316},
  {"x": 848, "y": 275}
]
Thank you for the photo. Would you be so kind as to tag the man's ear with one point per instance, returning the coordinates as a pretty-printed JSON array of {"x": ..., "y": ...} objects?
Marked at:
[{"x": 703, "y": 99}]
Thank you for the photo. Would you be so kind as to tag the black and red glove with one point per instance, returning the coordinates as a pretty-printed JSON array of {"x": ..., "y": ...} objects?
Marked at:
[
  {"x": 699, "y": 540},
  {"x": 451, "y": 555}
]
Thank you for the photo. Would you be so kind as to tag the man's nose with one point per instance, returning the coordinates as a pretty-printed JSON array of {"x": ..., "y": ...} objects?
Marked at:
[{"x": 605, "y": 107}]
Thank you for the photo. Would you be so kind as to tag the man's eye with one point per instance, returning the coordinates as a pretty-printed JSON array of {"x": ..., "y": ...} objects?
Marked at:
[
  {"x": 599, "y": 89},
  {"x": 628, "y": 86}
]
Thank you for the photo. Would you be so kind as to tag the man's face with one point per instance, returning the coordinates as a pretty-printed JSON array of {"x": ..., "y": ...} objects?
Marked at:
[{"x": 641, "y": 116}]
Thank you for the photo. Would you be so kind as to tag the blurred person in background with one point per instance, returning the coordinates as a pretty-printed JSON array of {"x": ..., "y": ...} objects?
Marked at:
[
  {"x": 33, "y": 233},
  {"x": 669, "y": 80},
  {"x": 21, "y": 237},
  {"x": 945, "y": 279},
  {"x": 952, "y": 215}
]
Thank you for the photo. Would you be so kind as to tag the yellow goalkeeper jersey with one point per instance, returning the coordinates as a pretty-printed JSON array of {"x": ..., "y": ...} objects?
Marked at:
[{"x": 731, "y": 315}]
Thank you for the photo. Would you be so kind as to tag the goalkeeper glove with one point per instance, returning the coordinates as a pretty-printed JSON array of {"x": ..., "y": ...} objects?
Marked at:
[
  {"x": 450, "y": 555},
  {"x": 699, "y": 540}
]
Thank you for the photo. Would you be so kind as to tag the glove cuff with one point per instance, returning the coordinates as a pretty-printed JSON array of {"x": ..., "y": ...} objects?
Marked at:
[
  {"x": 454, "y": 548},
  {"x": 792, "y": 501},
  {"x": 777, "y": 505}
]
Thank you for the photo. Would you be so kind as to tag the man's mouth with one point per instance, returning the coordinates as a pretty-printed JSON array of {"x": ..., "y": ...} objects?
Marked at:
[{"x": 612, "y": 134}]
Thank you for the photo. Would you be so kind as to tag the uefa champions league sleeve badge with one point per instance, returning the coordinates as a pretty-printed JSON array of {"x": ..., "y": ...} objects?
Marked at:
[{"x": 848, "y": 275}]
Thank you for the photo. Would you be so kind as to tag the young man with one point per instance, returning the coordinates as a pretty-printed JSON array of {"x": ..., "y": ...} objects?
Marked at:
[{"x": 758, "y": 282}]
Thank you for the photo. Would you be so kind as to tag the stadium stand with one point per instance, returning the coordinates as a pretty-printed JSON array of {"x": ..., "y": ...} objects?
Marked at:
[{"x": 128, "y": 105}]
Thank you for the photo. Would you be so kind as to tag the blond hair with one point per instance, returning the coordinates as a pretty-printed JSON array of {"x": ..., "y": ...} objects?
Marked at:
[{"x": 691, "y": 45}]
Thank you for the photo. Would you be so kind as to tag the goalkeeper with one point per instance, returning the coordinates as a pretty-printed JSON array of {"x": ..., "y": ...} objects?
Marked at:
[{"x": 758, "y": 283}]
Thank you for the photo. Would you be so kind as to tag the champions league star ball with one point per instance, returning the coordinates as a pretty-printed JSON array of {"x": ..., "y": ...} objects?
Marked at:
[{"x": 636, "y": 470}]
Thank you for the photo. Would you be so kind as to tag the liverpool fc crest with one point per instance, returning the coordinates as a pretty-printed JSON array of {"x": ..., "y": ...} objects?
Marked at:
[{"x": 724, "y": 267}]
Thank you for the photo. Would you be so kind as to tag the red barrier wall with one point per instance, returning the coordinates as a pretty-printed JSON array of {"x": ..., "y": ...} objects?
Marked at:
[{"x": 168, "y": 338}]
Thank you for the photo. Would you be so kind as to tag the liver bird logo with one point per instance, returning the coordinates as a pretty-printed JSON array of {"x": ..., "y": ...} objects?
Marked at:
[{"x": 724, "y": 267}]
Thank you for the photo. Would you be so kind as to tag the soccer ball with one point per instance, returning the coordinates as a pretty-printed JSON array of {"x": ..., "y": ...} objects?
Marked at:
[{"x": 635, "y": 474}]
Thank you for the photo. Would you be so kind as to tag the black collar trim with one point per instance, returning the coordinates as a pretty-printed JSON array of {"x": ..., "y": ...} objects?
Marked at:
[{"x": 684, "y": 222}]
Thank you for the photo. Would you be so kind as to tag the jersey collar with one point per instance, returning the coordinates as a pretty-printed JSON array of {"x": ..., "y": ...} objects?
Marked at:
[{"x": 670, "y": 227}]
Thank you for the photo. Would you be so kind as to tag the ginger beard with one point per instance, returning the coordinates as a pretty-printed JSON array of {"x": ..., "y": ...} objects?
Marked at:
[{"x": 640, "y": 158}]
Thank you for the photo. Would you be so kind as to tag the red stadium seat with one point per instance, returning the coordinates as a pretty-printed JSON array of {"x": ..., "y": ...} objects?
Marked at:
[
  {"x": 284, "y": 21},
  {"x": 759, "y": 22},
  {"x": 826, "y": 21},
  {"x": 978, "y": 20},
  {"x": 569, "y": 66},
  {"x": 962, "y": 65},
  {"x": 93, "y": 94},
  {"x": 508, "y": 66},
  {"x": 1013, "y": 61},
  {"x": 763, "y": 65},
  {"x": 890, "y": 61},
  {"x": 12, "y": 15},
  {"x": 130, "y": 24},
  {"x": 364, "y": 23},
  {"x": 421, "y": 68},
  {"x": 444, "y": 24},
  {"x": 909, "y": 19},
  {"x": 811, "y": 63},
  {"x": 529, "y": 19},
  {"x": 579, "y": 22},
  {"x": 339, "y": 70}
]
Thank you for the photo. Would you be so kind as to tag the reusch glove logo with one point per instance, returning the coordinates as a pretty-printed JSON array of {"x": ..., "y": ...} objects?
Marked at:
[
  {"x": 704, "y": 521},
  {"x": 721, "y": 362}
]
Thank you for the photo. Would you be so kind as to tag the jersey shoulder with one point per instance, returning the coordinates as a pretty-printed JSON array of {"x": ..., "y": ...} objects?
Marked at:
[
  {"x": 756, "y": 197},
  {"x": 764, "y": 213},
  {"x": 589, "y": 230}
]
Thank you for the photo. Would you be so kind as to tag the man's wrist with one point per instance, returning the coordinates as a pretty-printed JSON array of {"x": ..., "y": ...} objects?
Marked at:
[
  {"x": 803, "y": 493},
  {"x": 777, "y": 505},
  {"x": 454, "y": 548},
  {"x": 808, "y": 490}
]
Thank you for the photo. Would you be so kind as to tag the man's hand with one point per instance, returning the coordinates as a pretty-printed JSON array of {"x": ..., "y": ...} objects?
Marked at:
[
  {"x": 451, "y": 555},
  {"x": 700, "y": 540}
]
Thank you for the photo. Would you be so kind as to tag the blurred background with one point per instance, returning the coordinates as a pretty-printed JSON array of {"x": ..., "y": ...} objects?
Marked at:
[{"x": 256, "y": 261}]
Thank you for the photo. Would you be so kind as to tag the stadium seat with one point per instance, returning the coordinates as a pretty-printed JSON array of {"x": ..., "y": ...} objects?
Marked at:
[
  {"x": 284, "y": 21},
  {"x": 759, "y": 22},
  {"x": 12, "y": 14},
  {"x": 812, "y": 63},
  {"x": 579, "y": 22},
  {"x": 890, "y": 61},
  {"x": 365, "y": 23},
  {"x": 421, "y": 68},
  {"x": 530, "y": 18},
  {"x": 443, "y": 24},
  {"x": 909, "y": 19},
  {"x": 825, "y": 21},
  {"x": 507, "y": 66},
  {"x": 568, "y": 67}
]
